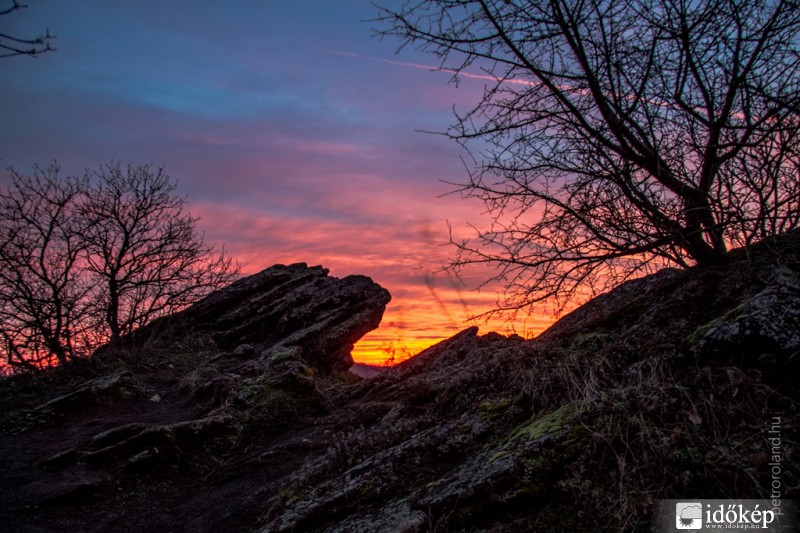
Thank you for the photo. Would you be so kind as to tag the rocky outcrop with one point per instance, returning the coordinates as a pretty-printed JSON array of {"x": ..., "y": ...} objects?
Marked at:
[
  {"x": 231, "y": 372},
  {"x": 665, "y": 388},
  {"x": 282, "y": 308}
]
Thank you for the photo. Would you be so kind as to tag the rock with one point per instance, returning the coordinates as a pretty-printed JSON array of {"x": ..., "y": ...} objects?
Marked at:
[
  {"x": 274, "y": 337},
  {"x": 172, "y": 437},
  {"x": 120, "y": 383},
  {"x": 281, "y": 307},
  {"x": 398, "y": 517},
  {"x": 485, "y": 433},
  {"x": 765, "y": 323},
  {"x": 244, "y": 350}
]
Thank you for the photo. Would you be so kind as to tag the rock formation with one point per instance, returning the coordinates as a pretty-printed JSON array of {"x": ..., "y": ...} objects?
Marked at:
[
  {"x": 233, "y": 370},
  {"x": 281, "y": 308},
  {"x": 239, "y": 417}
]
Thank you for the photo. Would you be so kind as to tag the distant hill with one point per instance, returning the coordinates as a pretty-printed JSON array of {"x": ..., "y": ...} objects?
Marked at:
[
  {"x": 240, "y": 415},
  {"x": 367, "y": 371}
]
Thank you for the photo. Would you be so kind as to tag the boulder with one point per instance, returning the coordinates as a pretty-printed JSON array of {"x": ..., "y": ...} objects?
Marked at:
[
  {"x": 764, "y": 326},
  {"x": 281, "y": 307}
]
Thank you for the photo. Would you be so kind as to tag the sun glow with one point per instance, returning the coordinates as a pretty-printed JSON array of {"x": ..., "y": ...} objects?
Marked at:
[
  {"x": 380, "y": 348},
  {"x": 426, "y": 324}
]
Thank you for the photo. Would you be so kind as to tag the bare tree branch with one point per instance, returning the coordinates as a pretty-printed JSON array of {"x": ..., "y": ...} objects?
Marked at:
[
  {"x": 12, "y": 45},
  {"x": 636, "y": 134}
]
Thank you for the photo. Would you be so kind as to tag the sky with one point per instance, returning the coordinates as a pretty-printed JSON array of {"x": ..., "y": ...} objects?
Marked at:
[{"x": 296, "y": 134}]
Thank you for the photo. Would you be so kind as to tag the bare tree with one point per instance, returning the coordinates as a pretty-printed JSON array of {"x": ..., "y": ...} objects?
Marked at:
[
  {"x": 620, "y": 135},
  {"x": 84, "y": 261},
  {"x": 41, "y": 290},
  {"x": 143, "y": 250},
  {"x": 11, "y": 45}
]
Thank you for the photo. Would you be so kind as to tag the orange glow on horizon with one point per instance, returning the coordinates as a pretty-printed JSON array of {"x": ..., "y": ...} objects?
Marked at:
[
  {"x": 394, "y": 341},
  {"x": 375, "y": 349}
]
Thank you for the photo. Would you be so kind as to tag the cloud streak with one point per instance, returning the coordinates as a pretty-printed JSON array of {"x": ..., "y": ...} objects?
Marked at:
[{"x": 433, "y": 68}]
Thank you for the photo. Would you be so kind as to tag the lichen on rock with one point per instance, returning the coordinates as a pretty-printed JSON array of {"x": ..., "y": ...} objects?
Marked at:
[{"x": 767, "y": 322}]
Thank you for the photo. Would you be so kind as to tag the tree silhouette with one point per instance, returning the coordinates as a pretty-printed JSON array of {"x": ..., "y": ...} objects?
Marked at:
[
  {"x": 12, "y": 45},
  {"x": 42, "y": 292},
  {"x": 618, "y": 136},
  {"x": 84, "y": 261},
  {"x": 144, "y": 250}
]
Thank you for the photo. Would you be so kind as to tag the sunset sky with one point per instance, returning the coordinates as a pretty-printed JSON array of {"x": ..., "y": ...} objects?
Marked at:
[{"x": 293, "y": 131}]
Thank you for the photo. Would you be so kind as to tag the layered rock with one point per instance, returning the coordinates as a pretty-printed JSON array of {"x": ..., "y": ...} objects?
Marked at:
[{"x": 283, "y": 307}]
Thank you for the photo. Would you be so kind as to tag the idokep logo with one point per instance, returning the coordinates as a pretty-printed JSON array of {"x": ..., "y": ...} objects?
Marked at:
[
  {"x": 726, "y": 515},
  {"x": 689, "y": 515}
]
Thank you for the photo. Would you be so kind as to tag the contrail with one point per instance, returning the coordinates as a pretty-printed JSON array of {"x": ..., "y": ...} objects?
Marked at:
[{"x": 433, "y": 68}]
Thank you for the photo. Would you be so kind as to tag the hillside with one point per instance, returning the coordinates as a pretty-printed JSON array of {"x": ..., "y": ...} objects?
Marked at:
[{"x": 239, "y": 415}]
